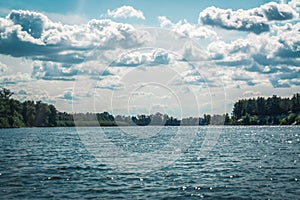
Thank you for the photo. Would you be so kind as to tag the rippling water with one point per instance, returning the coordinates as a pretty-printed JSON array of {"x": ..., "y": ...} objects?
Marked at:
[{"x": 246, "y": 162}]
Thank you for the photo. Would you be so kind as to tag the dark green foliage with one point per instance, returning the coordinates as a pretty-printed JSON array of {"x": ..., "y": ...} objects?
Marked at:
[
  {"x": 41, "y": 115},
  {"x": 10, "y": 110},
  {"x": 227, "y": 119},
  {"x": 14, "y": 113},
  {"x": 52, "y": 118},
  {"x": 172, "y": 122},
  {"x": 267, "y": 111},
  {"x": 207, "y": 119},
  {"x": 141, "y": 120},
  {"x": 28, "y": 113}
]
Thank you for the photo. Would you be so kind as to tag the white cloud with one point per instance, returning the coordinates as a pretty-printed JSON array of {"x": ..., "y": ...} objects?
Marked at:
[
  {"x": 286, "y": 77},
  {"x": 251, "y": 93},
  {"x": 67, "y": 72},
  {"x": 187, "y": 29},
  {"x": 67, "y": 95},
  {"x": 13, "y": 79},
  {"x": 254, "y": 20},
  {"x": 295, "y": 4},
  {"x": 26, "y": 88},
  {"x": 289, "y": 39},
  {"x": 137, "y": 58},
  {"x": 192, "y": 77},
  {"x": 194, "y": 53},
  {"x": 266, "y": 50},
  {"x": 142, "y": 94},
  {"x": 126, "y": 12},
  {"x": 35, "y": 92},
  {"x": 32, "y": 34},
  {"x": 231, "y": 53},
  {"x": 110, "y": 83},
  {"x": 241, "y": 75},
  {"x": 59, "y": 48},
  {"x": 53, "y": 71},
  {"x": 275, "y": 55}
]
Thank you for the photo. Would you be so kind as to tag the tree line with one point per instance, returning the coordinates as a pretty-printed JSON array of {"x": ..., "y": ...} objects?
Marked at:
[
  {"x": 267, "y": 111},
  {"x": 14, "y": 113},
  {"x": 260, "y": 111}
]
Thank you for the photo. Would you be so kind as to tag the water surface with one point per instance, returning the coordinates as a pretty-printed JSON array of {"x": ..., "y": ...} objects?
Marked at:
[{"x": 245, "y": 163}]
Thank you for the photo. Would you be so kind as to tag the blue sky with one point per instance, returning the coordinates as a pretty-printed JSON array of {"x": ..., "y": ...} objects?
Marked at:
[
  {"x": 128, "y": 57},
  {"x": 174, "y": 10}
]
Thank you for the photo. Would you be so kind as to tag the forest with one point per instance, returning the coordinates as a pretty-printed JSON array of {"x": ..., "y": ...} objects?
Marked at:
[
  {"x": 260, "y": 111},
  {"x": 267, "y": 111}
]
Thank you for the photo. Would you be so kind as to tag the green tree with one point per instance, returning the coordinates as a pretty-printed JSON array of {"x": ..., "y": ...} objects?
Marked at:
[
  {"x": 28, "y": 113},
  {"x": 42, "y": 114},
  {"x": 52, "y": 118},
  {"x": 295, "y": 103},
  {"x": 291, "y": 118},
  {"x": 207, "y": 119},
  {"x": 15, "y": 118},
  {"x": 227, "y": 120},
  {"x": 5, "y": 95}
]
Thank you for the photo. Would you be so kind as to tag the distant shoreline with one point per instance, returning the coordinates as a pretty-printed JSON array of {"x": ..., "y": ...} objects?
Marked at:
[
  {"x": 258, "y": 112},
  {"x": 207, "y": 126}
]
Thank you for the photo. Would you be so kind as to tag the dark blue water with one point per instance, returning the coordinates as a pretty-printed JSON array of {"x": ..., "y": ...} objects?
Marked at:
[{"x": 245, "y": 163}]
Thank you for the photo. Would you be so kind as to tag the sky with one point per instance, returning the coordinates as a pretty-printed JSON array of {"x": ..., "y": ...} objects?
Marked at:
[{"x": 184, "y": 58}]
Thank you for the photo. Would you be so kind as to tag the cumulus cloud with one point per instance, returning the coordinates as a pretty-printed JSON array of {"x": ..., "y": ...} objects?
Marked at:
[
  {"x": 60, "y": 49},
  {"x": 275, "y": 11},
  {"x": 240, "y": 75},
  {"x": 137, "y": 58},
  {"x": 126, "y": 12},
  {"x": 286, "y": 78},
  {"x": 275, "y": 55},
  {"x": 53, "y": 71},
  {"x": 266, "y": 50},
  {"x": 34, "y": 92},
  {"x": 187, "y": 29},
  {"x": 193, "y": 53},
  {"x": 295, "y": 4},
  {"x": 67, "y": 95},
  {"x": 254, "y": 20},
  {"x": 193, "y": 77},
  {"x": 13, "y": 79},
  {"x": 289, "y": 40},
  {"x": 32, "y": 34},
  {"x": 235, "y": 53},
  {"x": 110, "y": 83},
  {"x": 251, "y": 93},
  {"x": 190, "y": 77},
  {"x": 67, "y": 72}
]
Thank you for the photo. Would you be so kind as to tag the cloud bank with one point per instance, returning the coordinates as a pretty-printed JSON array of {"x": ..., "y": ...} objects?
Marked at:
[
  {"x": 254, "y": 20},
  {"x": 32, "y": 34},
  {"x": 275, "y": 56},
  {"x": 272, "y": 53}
]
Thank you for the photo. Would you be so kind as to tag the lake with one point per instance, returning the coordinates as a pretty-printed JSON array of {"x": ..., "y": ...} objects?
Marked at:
[{"x": 150, "y": 163}]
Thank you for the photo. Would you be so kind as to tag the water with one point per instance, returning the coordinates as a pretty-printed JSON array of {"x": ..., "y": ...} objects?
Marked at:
[{"x": 245, "y": 163}]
